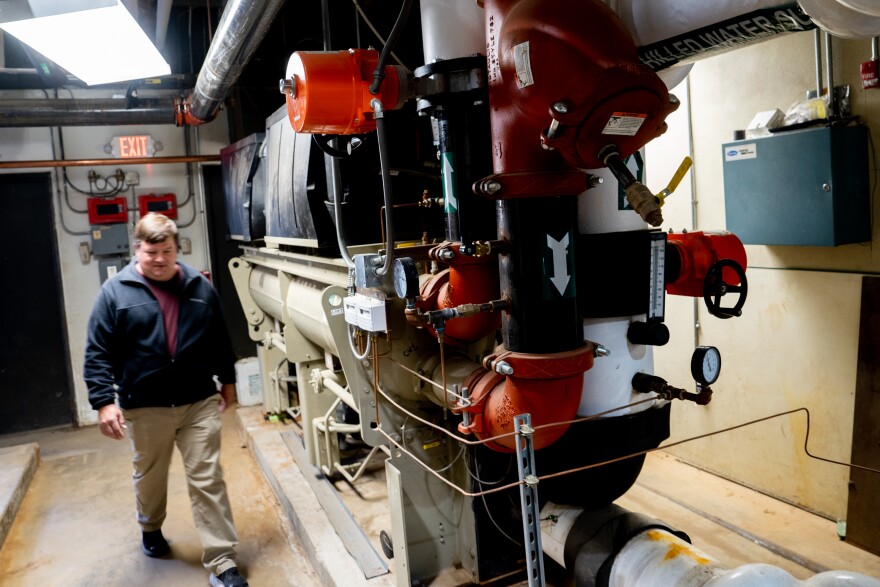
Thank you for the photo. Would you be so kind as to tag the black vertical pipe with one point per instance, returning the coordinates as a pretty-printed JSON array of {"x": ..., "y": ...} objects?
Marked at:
[
  {"x": 465, "y": 146},
  {"x": 538, "y": 274},
  {"x": 448, "y": 163}
]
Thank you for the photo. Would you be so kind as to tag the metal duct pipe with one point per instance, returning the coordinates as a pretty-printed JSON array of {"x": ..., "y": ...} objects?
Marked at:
[
  {"x": 86, "y": 112},
  {"x": 163, "y": 15},
  {"x": 241, "y": 29}
]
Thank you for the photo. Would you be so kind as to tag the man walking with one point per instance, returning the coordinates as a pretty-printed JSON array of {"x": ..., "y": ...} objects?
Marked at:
[{"x": 156, "y": 340}]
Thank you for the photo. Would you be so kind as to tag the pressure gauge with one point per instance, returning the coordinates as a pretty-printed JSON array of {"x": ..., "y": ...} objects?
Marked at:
[
  {"x": 706, "y": 365},
  {"x": 406, "y": 278}
]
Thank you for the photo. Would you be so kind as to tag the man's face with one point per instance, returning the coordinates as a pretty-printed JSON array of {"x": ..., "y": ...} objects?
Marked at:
[{"x": 158, "y": 261}]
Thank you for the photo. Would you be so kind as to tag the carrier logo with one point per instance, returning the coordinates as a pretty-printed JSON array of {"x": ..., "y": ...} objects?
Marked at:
[{"x": 747, "y": 151}]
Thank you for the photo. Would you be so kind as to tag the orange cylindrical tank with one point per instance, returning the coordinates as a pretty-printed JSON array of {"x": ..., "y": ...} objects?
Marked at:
[{"x": 330, "y": 91}]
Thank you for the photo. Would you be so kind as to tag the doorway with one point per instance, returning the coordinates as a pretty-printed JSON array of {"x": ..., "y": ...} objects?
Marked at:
[{"x": 35, "y": 378}]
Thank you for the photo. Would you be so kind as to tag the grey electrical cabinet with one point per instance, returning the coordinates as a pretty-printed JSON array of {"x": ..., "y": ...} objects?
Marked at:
[{"x": 800, "y": 187}]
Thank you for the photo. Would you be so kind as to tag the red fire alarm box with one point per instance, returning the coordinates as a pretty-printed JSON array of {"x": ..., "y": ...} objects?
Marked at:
[
  {"x": 162, "y": 203},
  {"x": 107, "y": 211},
  {"x": 870, "y": 72}
]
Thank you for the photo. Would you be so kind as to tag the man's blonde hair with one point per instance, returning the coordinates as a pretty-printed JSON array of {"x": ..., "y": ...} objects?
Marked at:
[{"x": 156, "y": 228}]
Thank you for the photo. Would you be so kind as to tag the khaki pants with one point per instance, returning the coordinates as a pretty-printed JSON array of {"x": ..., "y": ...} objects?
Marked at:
[{"x": 195, "y": 428}]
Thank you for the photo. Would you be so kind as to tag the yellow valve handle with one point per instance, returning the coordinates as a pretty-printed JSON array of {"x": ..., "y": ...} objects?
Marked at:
[{"x": 676, "y": 179}]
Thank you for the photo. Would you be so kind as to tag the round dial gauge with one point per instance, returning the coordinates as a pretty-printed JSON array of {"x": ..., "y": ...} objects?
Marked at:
[
  {"x": 406, "y": 277},
  {"x": 706, "y": 365}
]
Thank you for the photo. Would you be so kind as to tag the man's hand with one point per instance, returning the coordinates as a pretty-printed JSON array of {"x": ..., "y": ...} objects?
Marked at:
[
  {"x": 111, "y": 421},
  {"x": 227, "y": 396}
]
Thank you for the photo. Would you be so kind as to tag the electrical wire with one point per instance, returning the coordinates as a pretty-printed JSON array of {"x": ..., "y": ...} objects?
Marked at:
[
  {"x": 387, "y": 397},
  {"x": 632, "y": 455},
  {"x": 439, "y": 386},
  {"x": 387, "y": 195},
  {"x": 379, "y": 72},
  {"x": 59, "y": 184},
  {"x": 706, "y": 435},
  {"x": 378, "y": 36}
]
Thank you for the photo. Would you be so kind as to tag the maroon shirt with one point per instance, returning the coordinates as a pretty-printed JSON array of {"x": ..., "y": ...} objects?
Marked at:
[{"x": 168, "y": 295}]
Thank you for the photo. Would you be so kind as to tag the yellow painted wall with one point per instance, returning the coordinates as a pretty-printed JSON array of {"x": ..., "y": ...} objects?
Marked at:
[{"x": 797, "y": 341}]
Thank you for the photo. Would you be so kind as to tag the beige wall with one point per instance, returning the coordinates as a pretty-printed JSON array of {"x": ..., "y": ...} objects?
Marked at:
[{"x": 796, "y": 343}]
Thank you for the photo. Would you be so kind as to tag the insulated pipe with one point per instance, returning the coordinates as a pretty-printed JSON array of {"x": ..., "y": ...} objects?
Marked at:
[
  {"x": 99, "y": 162},
  {"x": 614, "y": 547},
  {"x": 163, "y": 15},
  {"x": 241, "y": 29},
  {"x": 866, "y": 6},
  {"x": 655, "y": 557},
  {"x": 839, "y": 19},
  {"x": 451, "y": 28},
  {"x": 86, "y": 112}
]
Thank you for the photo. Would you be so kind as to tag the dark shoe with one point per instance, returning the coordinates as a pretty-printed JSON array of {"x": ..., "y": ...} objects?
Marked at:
[
  {"x": 154, "y": 544},
  {"x": 228, "y": 578}
]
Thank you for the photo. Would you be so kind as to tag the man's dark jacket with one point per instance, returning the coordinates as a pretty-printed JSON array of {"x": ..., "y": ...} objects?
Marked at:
[{"x": 126, "y": 344}]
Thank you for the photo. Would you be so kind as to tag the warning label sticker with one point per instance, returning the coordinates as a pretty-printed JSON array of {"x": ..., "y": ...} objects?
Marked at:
[
  {"x": 624, "y": 123},
  {"x": 523, "y": 61}
]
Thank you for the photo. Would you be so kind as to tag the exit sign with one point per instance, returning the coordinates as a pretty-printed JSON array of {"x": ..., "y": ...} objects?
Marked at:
[{"x": 133, "y": 146}]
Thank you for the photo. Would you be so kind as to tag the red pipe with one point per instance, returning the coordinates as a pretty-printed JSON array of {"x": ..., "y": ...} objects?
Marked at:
[
  {"x": 698, "y": 251},
  {"x": 468, "y": 280},
  {"x": 549, "y": 64},
  {"x": 548, "y": 387}
]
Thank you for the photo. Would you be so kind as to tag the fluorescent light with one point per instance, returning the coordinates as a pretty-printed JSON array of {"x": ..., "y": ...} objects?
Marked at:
[{"x": 98, "y": 46}]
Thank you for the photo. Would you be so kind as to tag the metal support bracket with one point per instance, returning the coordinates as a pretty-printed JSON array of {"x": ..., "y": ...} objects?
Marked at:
[{"x": 528, "y": 495}]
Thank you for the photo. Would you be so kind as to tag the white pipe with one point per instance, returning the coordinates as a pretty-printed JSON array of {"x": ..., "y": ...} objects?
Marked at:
[
  {"x": 651, "y": 21},
  {"x": 607, "y": 383},
  {"x": 687, "y": 30},
  {"x": 870, "y": 7},
  {"x": 452, "y": 28},
  {"x": 842, "y": 20},
  {"x": 163, "y": 15},
  {"x": 656, "y": 557}
]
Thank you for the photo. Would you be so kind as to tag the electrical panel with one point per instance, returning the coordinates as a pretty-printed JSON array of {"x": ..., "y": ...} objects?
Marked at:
[
  {"x": 110, "y": 239},
  {"x": 162, "y": 203},
  {"x": 110, "y": 266},
  {"x": 107, "y": 211},
  {"x": 799, "y": 187}
]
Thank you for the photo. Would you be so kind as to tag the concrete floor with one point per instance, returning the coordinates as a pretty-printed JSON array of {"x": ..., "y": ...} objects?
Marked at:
[{"x": 76, "y": 526}]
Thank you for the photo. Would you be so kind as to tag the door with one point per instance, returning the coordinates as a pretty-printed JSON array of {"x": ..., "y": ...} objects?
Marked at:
[
  {"x": 35, "y": 380},
  {"x": 863, "y": 507}
]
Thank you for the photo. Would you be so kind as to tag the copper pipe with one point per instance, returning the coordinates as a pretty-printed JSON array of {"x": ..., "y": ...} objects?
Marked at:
[{"x": 100, "y": 162}]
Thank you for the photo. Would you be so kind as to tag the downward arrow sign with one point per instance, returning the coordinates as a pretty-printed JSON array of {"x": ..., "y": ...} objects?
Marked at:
[
  {"x": 448, "y": 185},
  {"x": 560, "y": 277}
]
